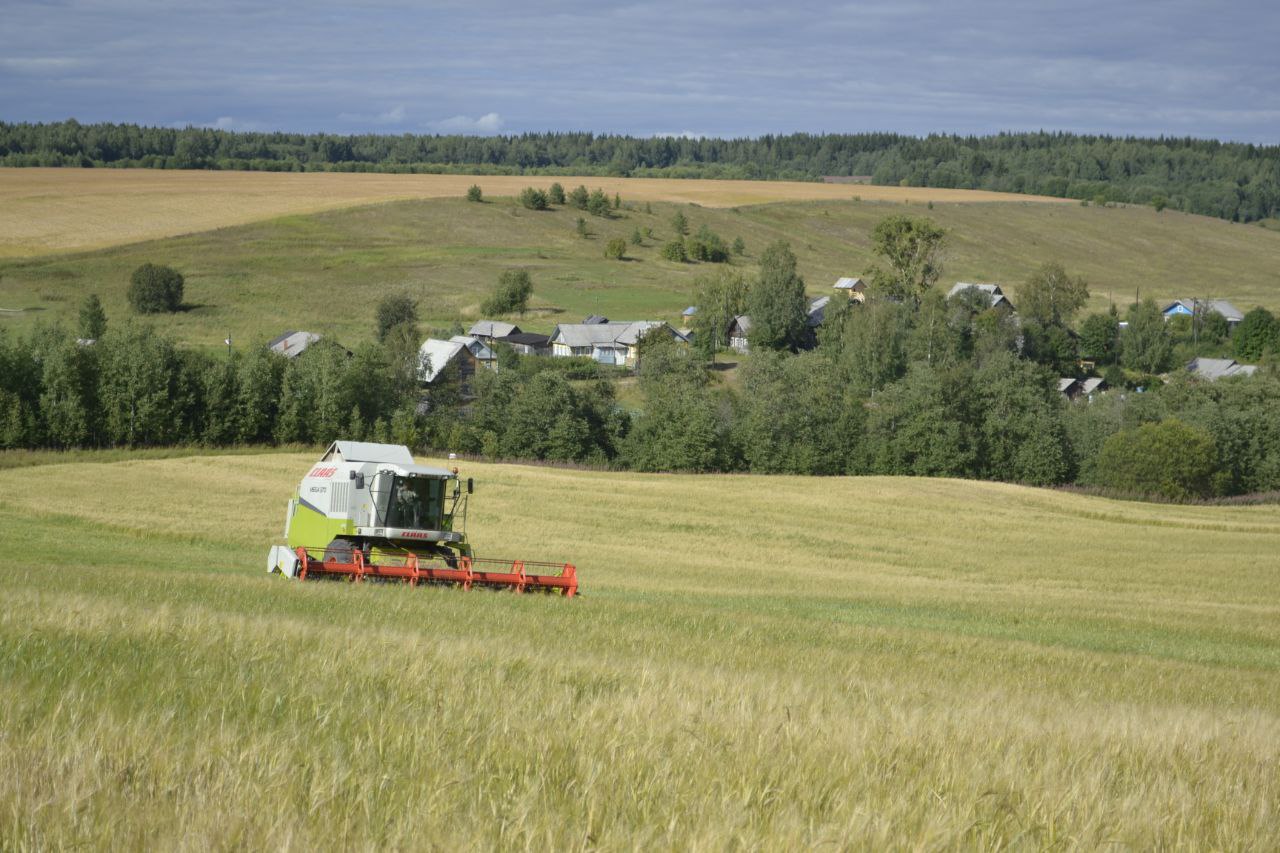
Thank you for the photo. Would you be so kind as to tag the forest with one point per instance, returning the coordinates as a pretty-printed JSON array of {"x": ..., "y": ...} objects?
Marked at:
[{"x": 1234, "y": 181}]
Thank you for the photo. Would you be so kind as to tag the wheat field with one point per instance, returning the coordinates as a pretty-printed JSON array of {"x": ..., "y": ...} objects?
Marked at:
[
  {"x": 58, "y": 210},
  {"x": 756, "y": 662}
]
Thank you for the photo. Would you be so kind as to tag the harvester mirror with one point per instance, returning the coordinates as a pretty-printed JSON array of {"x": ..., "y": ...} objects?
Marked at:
[
  {"x": 471, "y": 485},
  {"x": 359, "y": 478}
]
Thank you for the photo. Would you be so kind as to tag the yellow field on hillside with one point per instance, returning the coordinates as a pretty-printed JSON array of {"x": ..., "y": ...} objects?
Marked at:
[
  {"x": 57, "y": 210},
  {"x": 756, "y": 662}
]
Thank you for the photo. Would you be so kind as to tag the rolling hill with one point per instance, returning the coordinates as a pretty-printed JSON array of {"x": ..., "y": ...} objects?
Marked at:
[
  {"x": 761, "y": 662},
  {"x": 325, "y": 271}
]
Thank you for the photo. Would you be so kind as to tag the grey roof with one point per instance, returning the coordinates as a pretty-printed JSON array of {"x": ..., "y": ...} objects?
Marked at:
[
  {"x": 492, "y": 329},
  {"x": 367, "y": 451},
  {"x": 817, "y": 310},
  {"x": 1214, "y": 369},
  {"x": 994, "y": 294},
  {"x": 743, "y": 322},
  {"x": 1065, "y": 384},
  {"x": 529, "y": 339},
  {"x": 606, "y": 334},
  {"x": 292, "y": 343},
  {"x": 595, "y": 320},
  {"x": 477, "y": 347},
  {"x": 848, "y": 283},
  {"x": 1093, "y": 383},
  {"x": 438, "y": 354},
  {"x": 690, "y": 311}
]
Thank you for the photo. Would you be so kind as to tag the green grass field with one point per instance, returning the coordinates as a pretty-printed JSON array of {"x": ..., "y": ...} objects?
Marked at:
[
  {"x": 760, "y": 662},
  {"x": 325, "y": 272}
]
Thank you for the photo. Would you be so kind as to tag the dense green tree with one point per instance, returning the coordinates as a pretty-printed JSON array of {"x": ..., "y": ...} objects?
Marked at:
[
  {"x": 869, "y": 345},
  {"x": 395, "y": 310},
  {"x": 925, "y": 425},
  {"x": 1145, "y": 344},
  {"x": 679, "y": 427},
  {"x": 579, "y": 197},
  {"x": 940, "y": 335},
  {"x": 776, "y": 302},
  {"x": 1052, "y": 346},
  {"x": 679, "y": 223},
  {"x": 1170, "y": 459},
  {"x": 1023, "y": 440},
  {"x": 719, "y": 296},
  {"x": 706, "y": 245},
  {"x": 474, "y": 193},
  {"x": 140, "y": 387},
  {"x": 1257, "y": 335},
  {"x": 1100, "y": 337},
  {"x": 258, "y": 403},
  {"x": 93, "y": 319},
  {"x": 598, "y": 203},
  {"x": 1051, "y": 297},
  {"x": 912, "y": 247},
  {"x": 154, "y": 288},
  {"x": 796, "y": 416},
  {"x": 511, "y": 296},
  {"x": 739, "y": 246},
  {"x": 69, "y": 398},
  {"x": 555, "y": 194}
]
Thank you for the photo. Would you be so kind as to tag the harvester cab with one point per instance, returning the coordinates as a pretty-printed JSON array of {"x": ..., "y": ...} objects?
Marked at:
[{"x": 369, "y": 512}]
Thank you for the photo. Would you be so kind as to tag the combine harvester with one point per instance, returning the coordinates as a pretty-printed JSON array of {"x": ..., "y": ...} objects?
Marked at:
[{"x": 368, "y": 512}]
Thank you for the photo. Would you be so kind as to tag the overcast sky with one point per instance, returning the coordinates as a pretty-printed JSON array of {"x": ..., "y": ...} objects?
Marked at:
[{"x": 703, "y": 67}]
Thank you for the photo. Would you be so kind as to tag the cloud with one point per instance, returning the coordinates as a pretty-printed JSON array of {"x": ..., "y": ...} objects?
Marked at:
[
  {"x": 487, "y": 123},
  {"x": 41, "y": 64},
  {"x": 395, "y": 115}
]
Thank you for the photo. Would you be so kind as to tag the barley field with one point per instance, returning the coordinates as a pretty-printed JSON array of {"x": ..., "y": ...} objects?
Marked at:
[
  {"x": 60, "y": 210},
  {"x": 756, "y": 662}
]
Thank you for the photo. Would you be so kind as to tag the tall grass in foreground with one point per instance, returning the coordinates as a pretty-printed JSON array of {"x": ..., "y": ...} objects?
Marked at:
[{"x": 759, "y": 662}]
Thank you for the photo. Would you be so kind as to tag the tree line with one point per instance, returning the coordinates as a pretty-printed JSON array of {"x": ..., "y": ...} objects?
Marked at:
[{"x": 1235, "y": 181}]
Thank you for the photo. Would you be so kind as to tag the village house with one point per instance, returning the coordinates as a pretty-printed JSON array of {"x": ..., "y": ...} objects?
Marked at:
[
  {"x": 854, "y": 288},
  {"x": 443, "y": 361},
  {"x": 1187, "y": 307},
  {"x": 995, "y": 296},
  {"x": 292, "y": 344},
  {"x": 739, "y": 331},
  {"x": 491, "y": 330},
  {"x": 484, "y": 354},
  {"x": 605, "y": 342},
  {"x": 1213, "y": 369},
  {"x": 528, "y": 343}
]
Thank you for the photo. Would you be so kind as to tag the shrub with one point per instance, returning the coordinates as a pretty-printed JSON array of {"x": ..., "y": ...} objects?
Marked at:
[
  {"x": 474, "y": 193},
  {"x": 739, "y": 246},
  {"x": 154, "y": 288},
  {"x": 578, "y": 197},
  {"x": 674, "y": 251},
  {"x": 582, "y": 229},
  {"x": 555, "y": 194},
  {"x": 616, "y": 249},
  {"x": 534, "y": 199},
  {"x": 598, "y": 203}
]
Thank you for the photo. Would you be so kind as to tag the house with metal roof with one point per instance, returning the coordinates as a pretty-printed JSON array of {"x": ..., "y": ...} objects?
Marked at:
[
  {"x": 995, "y": 296},
  {"x": 440, "y": 361},
  {"x": 489, "y": 330},
  {"x": 292, "y": 344},
  {"x": 607, "y": 343},
  {"x": 855, "y": 288},
  {"x": 528, "y": 343},
  {"x": 1213, "y": 369},
  {"x": 1187, "y": 308}
]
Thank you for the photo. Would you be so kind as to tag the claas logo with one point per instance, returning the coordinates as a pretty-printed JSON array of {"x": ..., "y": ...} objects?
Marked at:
[{"x": 322, "y": 472}]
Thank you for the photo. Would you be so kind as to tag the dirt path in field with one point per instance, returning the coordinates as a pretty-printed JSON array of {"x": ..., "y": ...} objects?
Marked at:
[{"x": 56, "y": 210}]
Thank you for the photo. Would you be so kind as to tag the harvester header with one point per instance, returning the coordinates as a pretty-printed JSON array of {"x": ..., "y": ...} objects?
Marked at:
[{"x": 368, "y": 512}]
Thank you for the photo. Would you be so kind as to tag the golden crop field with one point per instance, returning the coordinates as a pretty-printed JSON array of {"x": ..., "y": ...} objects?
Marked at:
[
  {"x": 59, "y": 210},
  {"x": 757, "y": 662}
]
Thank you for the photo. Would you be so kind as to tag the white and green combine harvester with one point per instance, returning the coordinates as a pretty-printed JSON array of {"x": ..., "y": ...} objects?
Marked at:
[{"x": 369, "y": 512}]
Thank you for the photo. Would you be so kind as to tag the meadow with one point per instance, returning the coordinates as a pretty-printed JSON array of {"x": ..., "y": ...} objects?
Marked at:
[
  {"x": 759, "y": 662},
  {"x": 59, "y": 210},
  {"x": 325, "y": 271}
]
